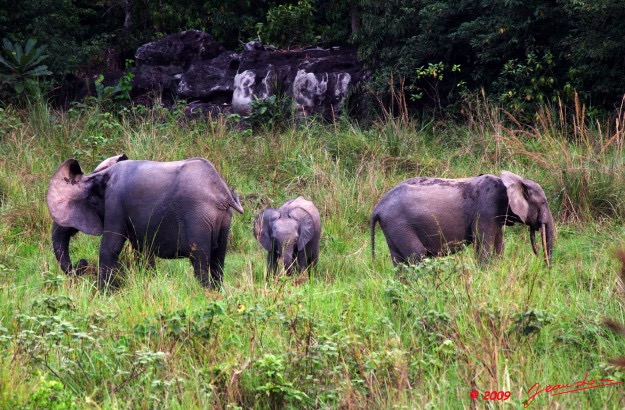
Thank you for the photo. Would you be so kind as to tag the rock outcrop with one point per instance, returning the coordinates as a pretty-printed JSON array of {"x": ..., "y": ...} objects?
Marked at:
[{"x": 191, "y": 66}]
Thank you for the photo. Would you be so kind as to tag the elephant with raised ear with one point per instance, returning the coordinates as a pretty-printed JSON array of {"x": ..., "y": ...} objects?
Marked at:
[
  {"x": 165, "y": 209},
  {"x": 433, "y": 216},
  {"x": 61, "y": 235},
  {"x": 290, "y": 234}
]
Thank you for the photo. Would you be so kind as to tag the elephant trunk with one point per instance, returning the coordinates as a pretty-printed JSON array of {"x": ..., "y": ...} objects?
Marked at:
[
  {"x": 60, "y": 244},
  {"x": 547, "y": 235},
  {"x": 288, "y": 258},
  {"x": 548, "y": 238}
]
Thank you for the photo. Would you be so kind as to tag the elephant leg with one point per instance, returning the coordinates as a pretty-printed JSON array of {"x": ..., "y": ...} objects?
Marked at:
[
  {"x": 406, "y": 248},
  {"x": 488, "y": 240},
  {"x": 199, "y": 241},
  {"x": 499, "y": 241},
  {"x": 149, "y": 259},
  {"x": 272, "y": 262},
  {"x": 302, "y": 259},
  {"x": 110, "y": 248},
  {"x": 312, "y": 261},
  {"x": 201, "y": 261},
  {"x": 218, "y": 258},
  {"x": 142, "y": 255},
  {"x": 307, "y": 259}
]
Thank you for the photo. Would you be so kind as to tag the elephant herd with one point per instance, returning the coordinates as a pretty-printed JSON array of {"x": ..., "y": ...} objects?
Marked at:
[{"x": 184, "y": 209}]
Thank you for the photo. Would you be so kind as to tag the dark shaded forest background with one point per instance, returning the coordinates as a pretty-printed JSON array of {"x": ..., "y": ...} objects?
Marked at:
[{"x": 521, "y": 54}]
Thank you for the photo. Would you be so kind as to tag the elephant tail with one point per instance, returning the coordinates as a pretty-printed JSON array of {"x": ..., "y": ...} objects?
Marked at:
[
  {"x": 236, "y": 203},
  {"x": 374, "y": 219}
]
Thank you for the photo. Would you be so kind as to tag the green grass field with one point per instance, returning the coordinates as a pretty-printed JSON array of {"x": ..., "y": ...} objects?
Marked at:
[{"x": 358, "y": 333}]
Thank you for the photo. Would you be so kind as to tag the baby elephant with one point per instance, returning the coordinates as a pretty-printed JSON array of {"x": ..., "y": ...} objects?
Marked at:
[{"x": 288, "y": 233}]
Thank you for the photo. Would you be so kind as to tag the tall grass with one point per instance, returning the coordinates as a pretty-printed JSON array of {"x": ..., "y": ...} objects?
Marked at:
[
  {"x": 582, "y": 162},
  {"x": 356, "y": 334}
]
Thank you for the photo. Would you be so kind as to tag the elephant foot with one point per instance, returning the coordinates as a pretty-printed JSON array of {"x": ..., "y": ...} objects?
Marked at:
[
  {"x": 212, "y": 282},
  {"x": 110, "y": 280},
  {"x": 82, "y": 267}
]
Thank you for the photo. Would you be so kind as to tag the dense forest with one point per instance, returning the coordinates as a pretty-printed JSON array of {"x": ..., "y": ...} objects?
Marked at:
[{"x": 519, "y": 53}]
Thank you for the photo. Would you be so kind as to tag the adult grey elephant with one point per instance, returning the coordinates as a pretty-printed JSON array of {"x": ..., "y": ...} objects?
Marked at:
[
  {"x": 290, "y": 233},
  {"x": 432, "y": 216},
  {"x": 165, "y": 209},
  {"x": 61, "y": 235}
]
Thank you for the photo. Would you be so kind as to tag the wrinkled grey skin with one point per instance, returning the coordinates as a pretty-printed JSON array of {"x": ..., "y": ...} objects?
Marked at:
[
  {"x": 165, "y": 209},
  {"x": 61, "y": 235},
  {"x": 432, "y": 216},
  {"x": 290, "y": 234}
]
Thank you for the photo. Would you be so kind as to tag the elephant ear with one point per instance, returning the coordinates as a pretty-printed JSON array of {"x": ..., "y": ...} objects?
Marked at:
[
  {"x": 262, "y": 227},
  {"x": 306, "y": 226},
  {"x": 68, "y": 199},
  {"x": 109, "y": 162},
  {"x": 517, "y": 194}
]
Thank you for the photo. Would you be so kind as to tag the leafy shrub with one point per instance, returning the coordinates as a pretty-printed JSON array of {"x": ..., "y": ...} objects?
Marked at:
[
  {"x": 288, "y": 25},
  {"x": 530, "y": 322},
  {"x": 270, "y": 113},
  {"x": 51, "y": 395},
  {"x": 430, "y": 268},
  {"x": 429, "y": 85},
  {"x": 276, "y": 387},
  {"x": 22, "y": 67},
  {"x": 525, "y": 85},
  {"x": 180, "y": 326}
]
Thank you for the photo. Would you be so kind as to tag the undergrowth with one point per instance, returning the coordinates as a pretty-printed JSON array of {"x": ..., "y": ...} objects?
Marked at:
[{"x": 358, "y": 333}]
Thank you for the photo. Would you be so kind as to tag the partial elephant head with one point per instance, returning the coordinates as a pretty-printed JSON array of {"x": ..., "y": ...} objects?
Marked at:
[
  {"x": 71, "y": 198},
  {"x": 65, "y": 227},
  {"x": 284, "y": 234},
  {"x": 528, "y": 202}
]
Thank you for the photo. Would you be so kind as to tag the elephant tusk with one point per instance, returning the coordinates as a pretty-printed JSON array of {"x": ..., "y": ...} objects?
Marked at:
[{"x": 543, "y": 234}]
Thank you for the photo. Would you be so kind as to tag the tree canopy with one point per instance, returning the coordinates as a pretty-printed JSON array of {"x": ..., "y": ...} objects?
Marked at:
[{"x": 521, "y": 53}]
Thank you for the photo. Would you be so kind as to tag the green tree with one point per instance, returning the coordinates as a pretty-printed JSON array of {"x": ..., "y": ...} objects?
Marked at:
[
  {"x": 535, "y": 50},
  {"x": 593, "y": 49},
  {"x": 76, "y": 32}
]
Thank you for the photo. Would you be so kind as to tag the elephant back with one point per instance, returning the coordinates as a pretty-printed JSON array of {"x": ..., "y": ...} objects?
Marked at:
[
  {"x": 199, "y": 172},
  {"x": 306, "y": 205}
]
